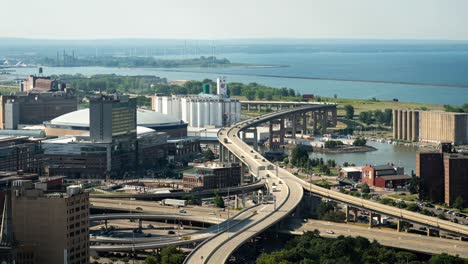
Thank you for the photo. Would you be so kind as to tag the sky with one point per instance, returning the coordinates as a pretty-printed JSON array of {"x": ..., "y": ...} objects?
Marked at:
[{"x": 235, "y": 19}]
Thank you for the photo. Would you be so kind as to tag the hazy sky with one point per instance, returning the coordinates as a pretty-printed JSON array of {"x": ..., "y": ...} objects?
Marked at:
[{"x": 219, "y": 19}]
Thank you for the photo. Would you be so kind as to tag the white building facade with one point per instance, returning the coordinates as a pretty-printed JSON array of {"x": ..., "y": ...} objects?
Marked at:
[{"x": 202, "y": 110}]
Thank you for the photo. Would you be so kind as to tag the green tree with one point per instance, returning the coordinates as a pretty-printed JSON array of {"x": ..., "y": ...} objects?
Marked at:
[
  {"x": 286, "y": 160},
  {"x": 365, "y": 117},
  {"x": 459, "y": 203},
  {"x": 445, "y": 258},
  {"x": 349, "y": 109},
  {"x": 365, "y": 188},
  {"x": 171, "y": 255},
  {"x": 414, "y": 184},
  {"x": 260, "y": 94},
  {"x": 298, "y": 153},
  {"x": 360, "y": 142},
  {"x": 209, "y": 155},
  {"x": 151, "y": 260},
  {"x": 218, "y": 201}
]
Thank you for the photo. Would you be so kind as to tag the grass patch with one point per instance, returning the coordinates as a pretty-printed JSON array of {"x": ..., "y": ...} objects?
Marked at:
[
  {"x": 7, "y": 89},
  {"x": 406, "y": 197}
]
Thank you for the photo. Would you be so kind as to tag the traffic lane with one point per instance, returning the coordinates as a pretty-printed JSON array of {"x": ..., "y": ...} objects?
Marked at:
[{"x": 390, "y": 238}]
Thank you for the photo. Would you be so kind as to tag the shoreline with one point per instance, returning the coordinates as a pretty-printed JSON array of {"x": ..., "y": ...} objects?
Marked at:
[{"x": 345, "y": 149}]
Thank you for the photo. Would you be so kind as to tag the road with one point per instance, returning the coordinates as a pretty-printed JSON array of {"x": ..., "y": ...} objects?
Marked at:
[
  {"x": 128, "y": 244},
  {"x": 219, "y": 248},
  {"x": 387, "y": 237},
  {"x": 232, "y": 190},
  {"x": 155, "y": 207},
  {"x": 289, "y": 194}
]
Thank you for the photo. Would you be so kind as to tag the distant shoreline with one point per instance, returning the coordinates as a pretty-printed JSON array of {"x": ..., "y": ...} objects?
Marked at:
[{"x": 318, "y": 78}]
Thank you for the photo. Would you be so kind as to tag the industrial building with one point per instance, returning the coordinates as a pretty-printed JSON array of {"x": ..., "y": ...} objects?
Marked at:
[
  {"x": 430, "y": 126},
  {"x": 354, "y": 173},
  {"x": 203, "y": 110},
  {"x": 76, "y": 123},
  {"x": 31, "y": 108},
  {"x": 21, "y": 153},
  {"x": 58, "y": 232},
  {"x": 212, "y": 176},
  {"x": 384, "y": 176},
  {"x": 443, "y": 175}
]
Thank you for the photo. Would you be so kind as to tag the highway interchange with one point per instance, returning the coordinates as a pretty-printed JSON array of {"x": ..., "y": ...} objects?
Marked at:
[{"x": 218, "y": 246}]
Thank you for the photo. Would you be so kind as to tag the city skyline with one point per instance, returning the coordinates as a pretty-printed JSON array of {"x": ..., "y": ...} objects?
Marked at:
[{"x": 206, "y": 19}]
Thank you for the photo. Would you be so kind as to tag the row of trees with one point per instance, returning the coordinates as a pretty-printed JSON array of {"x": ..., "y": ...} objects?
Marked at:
[
  {"x": 458, "y": 109},
  {"x": 376, "y": 117},
  {"x": 310, "y": 248}
]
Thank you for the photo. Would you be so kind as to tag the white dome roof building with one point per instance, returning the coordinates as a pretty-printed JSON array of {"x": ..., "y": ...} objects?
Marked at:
[{"x": 77, "y": 123}]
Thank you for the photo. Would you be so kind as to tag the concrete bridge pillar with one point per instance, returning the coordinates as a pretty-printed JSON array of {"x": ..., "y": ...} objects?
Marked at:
[
  {"x": 317, "y": 120},
  {"x": 304, "y": 125},
  {"x": 255, "y": 143},
  {"x": 355, "y": 215},
  {"x": 270, "y": 133},
  {"x": 347, "y": 209},
  {"x": 140, "y": 224},
  {"x": 282, "y": 131},
  {"x": 371, "y": 216},
  {"x": 105, "y": 224},
  {"x": 294, "y": 126}
]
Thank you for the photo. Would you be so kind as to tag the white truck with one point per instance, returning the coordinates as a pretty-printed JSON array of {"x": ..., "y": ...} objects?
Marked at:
[{"x": 174, "y": 202}]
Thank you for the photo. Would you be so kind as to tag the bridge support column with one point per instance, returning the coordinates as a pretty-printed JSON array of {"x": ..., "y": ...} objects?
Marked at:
[
  {"x": 282, "y": 131},
  {"x": 304, "y": 125},
  {"x": 294, "y": 126},
  {"x": 255, "y": 143},
  {"x": 399, "y": 225},
  {"x": 355, "y": 215},
  {"x": 347, "y": 213},
  {"x": 105, "y": 224},
  {"x": 371, "y": 217},
  {"x": 323, "y": 121},
  {"x": 221, "y": 152},
  {"x": 270, "y": 133},
  {"x": 140, "y": 224}
]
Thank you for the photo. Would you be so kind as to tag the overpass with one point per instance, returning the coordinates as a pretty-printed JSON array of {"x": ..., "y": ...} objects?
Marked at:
[
  {"x": 158, "y": 196},
  {"x": 218, "y": 248},
  {"x": 385, "y": 236},
  {"x": 130, "y": 244}
]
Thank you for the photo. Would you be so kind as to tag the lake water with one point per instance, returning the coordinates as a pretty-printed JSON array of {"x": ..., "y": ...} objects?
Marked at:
[
  {"x": 443, "y": 65},
  {"x": 423, "y": 64},
  {"x": 404, "y": 156}
]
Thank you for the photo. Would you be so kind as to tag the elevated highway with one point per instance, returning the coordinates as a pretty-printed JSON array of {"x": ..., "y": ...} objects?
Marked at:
[
  {"x": 386, "y": 237},
  {"x": 158, "y": 196},
  {"x": 218, "y": 249},
  {"x": 129, "y": 244}
]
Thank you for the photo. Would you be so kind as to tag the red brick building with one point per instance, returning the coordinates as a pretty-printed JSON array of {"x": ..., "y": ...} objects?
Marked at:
[
  {"x": 384, "y": 176},
  {"x": 212, "y": 176}
]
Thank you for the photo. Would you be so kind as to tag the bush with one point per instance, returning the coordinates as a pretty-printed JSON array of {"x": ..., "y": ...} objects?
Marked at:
[
  {"x": 360, "y": 142},
  {"x": 365, "y": 188}
]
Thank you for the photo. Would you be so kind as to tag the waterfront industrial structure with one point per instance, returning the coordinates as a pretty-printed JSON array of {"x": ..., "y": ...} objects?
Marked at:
[
  {"x": 203, "y": 110},
  {"x": 443, "y": 175},
  {"x": 384, "y": 176},
  {"x": 430, "y": 126}
]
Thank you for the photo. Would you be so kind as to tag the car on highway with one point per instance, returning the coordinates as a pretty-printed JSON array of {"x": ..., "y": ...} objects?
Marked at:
[
  {"x": 138, "y": 208},
  {"x": 170, "y": 232},
  {"x": 147, "y": 235},
  {"x": 329, "y": 232},
  {"x": 182, "y": 211}
]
